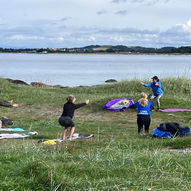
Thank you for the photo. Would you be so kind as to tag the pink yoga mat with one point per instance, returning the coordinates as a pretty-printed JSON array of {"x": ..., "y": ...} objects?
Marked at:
[{"x": 174, "y": 110}]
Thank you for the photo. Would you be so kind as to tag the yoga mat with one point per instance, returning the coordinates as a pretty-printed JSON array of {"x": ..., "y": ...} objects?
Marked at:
[
  {"x": 12, "y": 129},
  {"x": 16, "y": 135},
  {"x": 76, "y": 136},
  {"x": 174, "y": 110}
]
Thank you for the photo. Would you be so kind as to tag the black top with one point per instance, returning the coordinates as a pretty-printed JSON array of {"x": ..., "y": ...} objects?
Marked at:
[{"x": 69, "y": 108}]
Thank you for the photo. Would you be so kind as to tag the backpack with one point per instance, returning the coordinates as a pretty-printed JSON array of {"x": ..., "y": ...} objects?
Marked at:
[
  {"x": 6, "y": 121},
  {"x": 174, "y": 128},
  {"x": 183, "y": 131},
  {"x": 169, "y": 127}
]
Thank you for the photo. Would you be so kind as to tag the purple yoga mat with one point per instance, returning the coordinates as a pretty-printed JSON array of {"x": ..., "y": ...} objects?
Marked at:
[{"x": 174, "y": 110}]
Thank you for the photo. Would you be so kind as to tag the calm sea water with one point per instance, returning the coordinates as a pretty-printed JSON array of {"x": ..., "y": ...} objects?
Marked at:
[{"x": 78, "y": 69}]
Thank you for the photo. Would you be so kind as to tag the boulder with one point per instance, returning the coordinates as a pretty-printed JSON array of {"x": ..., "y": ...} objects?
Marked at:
[
  {"x": 111, "y": 81},
  {"x": 59, "y": 86},
  {"x": 40, "y": 84},
  {"x": 18, "y": 82}
]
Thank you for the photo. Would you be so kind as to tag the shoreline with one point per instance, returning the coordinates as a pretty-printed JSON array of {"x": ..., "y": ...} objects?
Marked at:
[
  {"x": 102, "y": 53},
  {"x": 22, "y": 83}
]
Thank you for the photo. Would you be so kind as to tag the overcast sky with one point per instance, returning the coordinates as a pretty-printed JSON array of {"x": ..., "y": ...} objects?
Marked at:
[{"x": 76, "y": 23}]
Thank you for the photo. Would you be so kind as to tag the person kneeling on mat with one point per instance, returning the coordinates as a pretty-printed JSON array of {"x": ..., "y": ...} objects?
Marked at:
[
  {"x": 143, "y": 107},
  {"x": 68, "y": 112}
]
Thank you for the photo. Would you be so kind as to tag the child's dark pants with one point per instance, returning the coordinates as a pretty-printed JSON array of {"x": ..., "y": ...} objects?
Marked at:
[{"x": 143, "y": 120}]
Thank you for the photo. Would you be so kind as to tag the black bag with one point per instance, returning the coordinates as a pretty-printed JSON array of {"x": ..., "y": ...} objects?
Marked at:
[
  {"x": 6, "y": 121},
  {"x": 174, "y": 128},
  {"x": 169, "y": 127}
]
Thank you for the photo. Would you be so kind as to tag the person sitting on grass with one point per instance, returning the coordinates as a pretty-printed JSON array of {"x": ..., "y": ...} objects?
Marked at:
[
  {"x": 143, "y": 107},
  {"x": 8, "y": 103},
  {"x": 68, "y": 112},
  {"x": 157, "y": 92}
]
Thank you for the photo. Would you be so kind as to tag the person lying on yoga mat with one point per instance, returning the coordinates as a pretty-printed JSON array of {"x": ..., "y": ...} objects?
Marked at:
[
  {"x": 143, "y": 107},
  {"x": 68, "y": 112},
  {"x": 8, "y": 103},
  {"x": 157, "y": 92}
]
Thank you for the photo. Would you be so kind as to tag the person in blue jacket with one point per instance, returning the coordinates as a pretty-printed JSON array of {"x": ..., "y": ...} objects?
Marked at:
[
  {"x": 157, "y": 91},
  {"x": 143, "y": 107}
]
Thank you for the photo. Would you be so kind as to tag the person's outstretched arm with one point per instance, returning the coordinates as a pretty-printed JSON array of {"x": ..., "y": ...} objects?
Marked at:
[
  {"x": 146, "y": 85},
  {"x": 82, "y": 104}
]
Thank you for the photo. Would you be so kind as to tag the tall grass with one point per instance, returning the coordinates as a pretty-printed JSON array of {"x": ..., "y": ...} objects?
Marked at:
[{"x": 180, "y": 87}]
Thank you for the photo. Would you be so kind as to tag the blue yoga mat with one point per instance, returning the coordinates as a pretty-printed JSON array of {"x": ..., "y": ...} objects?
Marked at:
[{"x": 12, "y": 129}]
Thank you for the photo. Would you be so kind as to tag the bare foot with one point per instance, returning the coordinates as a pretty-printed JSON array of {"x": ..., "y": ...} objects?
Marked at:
[
  {"x": 70, "y": 139},
  {"x": 11, "y": 102},
  {"x": 15, "y": 105}
]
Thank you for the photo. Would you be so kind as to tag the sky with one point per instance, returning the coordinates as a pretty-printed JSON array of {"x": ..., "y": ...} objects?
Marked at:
[{"x": 78, "y": 23}]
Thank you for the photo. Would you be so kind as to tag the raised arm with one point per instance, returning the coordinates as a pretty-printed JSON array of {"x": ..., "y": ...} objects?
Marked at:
[
  {"x": 81, "y": 104},
  {"x": 147, "y": 85}
]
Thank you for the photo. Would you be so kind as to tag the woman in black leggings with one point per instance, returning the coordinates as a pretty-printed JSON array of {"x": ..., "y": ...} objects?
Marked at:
[
  {"x": 68, "y": 112},
  {"x": 143, "y": 107}
]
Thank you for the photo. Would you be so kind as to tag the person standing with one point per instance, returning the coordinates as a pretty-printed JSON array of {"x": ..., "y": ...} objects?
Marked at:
[
  {"x": 143, "y": 107},
  {"x": 68, "y": 112},
  {"x": 157, "y": 91}
]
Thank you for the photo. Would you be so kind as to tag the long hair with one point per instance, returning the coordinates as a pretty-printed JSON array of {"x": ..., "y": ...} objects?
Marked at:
[{"x": 143, "y": 101}]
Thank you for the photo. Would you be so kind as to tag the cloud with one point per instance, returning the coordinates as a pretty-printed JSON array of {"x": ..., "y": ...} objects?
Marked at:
[
  {"x": 101, "y": 12},
  {"x": 119, "y": 1},
  {"x": 44, "y": 35},
  {"x": 186, "y": 27},
  {"x": 66, "y": 18},
  {"x": 121, "y": 12},
  {"x": 148, "y": 2},
  {"x": 23, "y": 37}
]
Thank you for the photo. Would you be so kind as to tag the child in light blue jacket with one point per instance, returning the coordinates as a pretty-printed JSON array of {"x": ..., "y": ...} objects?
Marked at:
[{"x": 157, "y": 92}]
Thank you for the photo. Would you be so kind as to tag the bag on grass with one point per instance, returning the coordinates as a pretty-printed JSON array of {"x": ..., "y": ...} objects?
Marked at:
[
  {"x": 183, "y": 131},
  {"x": 6, "y": 121},
  {"x": 169, "y": 127},
  {"x": 174, "y": 128},
  {"x": 161, "y": 134}
]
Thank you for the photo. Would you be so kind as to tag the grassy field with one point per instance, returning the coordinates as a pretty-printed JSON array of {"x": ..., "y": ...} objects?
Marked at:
[{"x": 116, "y": 158}]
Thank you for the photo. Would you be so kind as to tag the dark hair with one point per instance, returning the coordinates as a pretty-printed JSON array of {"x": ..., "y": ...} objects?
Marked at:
[
  {"x": 70, "y": 98},
  {"x": 156, "y": 78}
]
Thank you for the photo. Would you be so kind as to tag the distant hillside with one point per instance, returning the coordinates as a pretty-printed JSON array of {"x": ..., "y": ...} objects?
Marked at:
[{"x": 104, "y": 49}]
